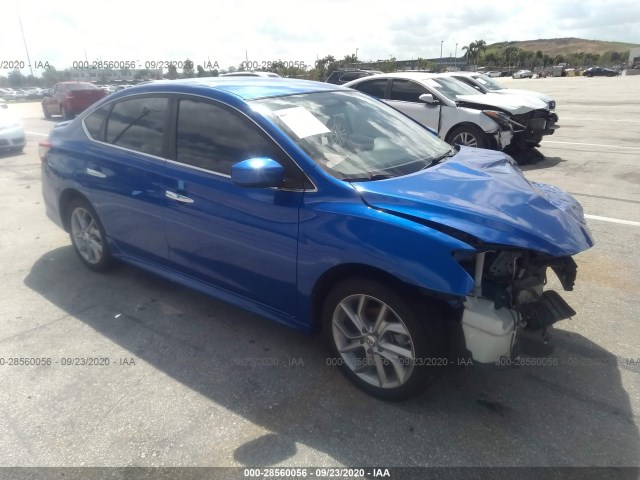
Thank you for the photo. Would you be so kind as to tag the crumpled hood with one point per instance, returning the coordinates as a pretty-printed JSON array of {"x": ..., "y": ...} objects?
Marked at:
[
  {"x": 514, "y": 104},
  {"x": 480, "y": 192},
  {"x": 531, "y": 93}
]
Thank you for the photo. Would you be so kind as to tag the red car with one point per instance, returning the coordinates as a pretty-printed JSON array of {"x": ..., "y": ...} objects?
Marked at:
[{"x": 70, "y": 98}]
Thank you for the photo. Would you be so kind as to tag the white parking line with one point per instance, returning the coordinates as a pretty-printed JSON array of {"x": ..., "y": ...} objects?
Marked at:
[
  {"x": 592, "y": 145},
  {"x": 36, "y": 133},
  {"x": 612, "y": 220}
]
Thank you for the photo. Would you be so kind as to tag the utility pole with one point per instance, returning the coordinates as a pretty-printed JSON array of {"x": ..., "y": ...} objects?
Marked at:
[
  {"x": 456, "y": 55},
  {"x": 440, "y": 64},
  {"x": 25, "y": 44}
]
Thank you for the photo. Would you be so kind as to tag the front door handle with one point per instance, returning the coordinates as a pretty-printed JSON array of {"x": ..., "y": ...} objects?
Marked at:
[
  {"x": 95, "y": 173},
  {"x": 177, "y": 197}
]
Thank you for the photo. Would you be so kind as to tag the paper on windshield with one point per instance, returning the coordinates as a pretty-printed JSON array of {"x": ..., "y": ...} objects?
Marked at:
[{"x": 301, "y": 122}]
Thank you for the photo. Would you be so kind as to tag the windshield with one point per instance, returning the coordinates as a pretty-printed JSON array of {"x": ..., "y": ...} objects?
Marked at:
[
  {"x": 450, "y": 87},
  {"x": 81, "y": 86},
  {"x": 488, "y": 82},
  {"x": 352, "y": 136}
]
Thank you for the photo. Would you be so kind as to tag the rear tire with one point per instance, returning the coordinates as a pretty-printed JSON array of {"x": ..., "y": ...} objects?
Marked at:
[
  {"x": 65, "y": 113},
  {"x": 468, "y": 136},
  {"x": 87, "y": 235},
  {"x": 386, "y": 344}
]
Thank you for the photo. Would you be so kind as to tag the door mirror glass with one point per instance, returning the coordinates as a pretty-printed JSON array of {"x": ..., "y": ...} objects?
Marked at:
[{"x": 257, "y": 172}]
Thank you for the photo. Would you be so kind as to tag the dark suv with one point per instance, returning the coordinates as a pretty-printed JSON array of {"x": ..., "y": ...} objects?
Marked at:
[{"x": 341, "y": 76}]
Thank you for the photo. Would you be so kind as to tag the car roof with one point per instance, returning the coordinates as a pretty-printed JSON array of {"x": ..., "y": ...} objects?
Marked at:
[
  {"x": 418, "y": 76},
  {"x": 246, "y": 88},
  {"x": 250, "y": 74}
]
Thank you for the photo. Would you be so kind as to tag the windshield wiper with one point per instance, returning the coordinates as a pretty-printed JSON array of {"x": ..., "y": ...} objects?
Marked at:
[
  {"x": 377, "y": 176},
  {"x": 437, "y": 160}
]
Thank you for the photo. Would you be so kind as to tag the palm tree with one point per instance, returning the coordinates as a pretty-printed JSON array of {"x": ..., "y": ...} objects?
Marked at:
[
  {"x": 470, "y": 51},
  {"x": 481, "y": 46}
]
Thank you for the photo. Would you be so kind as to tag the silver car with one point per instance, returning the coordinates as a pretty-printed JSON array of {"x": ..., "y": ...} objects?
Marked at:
[
  {"x": 485, "y": 84},
  {"x": 459, "y": 113}
]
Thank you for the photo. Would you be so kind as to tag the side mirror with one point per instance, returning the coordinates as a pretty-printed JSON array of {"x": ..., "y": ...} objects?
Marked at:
[
  {"x": 427, "y": 98},
  {"x": 258, "y": 172}
]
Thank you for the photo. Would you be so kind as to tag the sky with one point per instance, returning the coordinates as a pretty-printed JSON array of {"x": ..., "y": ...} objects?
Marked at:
[{"x": 229, "y": 31}]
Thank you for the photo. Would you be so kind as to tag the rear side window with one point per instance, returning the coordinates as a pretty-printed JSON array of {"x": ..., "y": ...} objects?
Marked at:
[
  {"x": 138, "y": 124},
  {"x": 406, "y": 91},
  {"x": 95, "y": 122},
  {"x": 375, "y": 88}
]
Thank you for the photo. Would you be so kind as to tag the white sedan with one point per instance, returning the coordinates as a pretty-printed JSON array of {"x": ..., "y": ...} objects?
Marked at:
[
  {"x": 460, "y": 114},
  {"x": 485, "y": 84},
  {"x": 12, "y": 137},
  {"x": 523, "y": 74}
]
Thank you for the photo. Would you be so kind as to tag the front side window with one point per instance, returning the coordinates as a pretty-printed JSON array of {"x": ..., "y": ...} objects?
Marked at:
[
  {"x": 138, "y": 124},
  {"x": 406, "y": 91},
  {"x": 215, "y": 138}
]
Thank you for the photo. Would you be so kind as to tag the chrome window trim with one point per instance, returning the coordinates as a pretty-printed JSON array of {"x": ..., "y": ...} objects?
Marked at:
[{"x": 175, "y": 162}]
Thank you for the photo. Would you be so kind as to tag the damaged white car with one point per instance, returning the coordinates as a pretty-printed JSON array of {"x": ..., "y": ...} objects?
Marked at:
[{"x": 461, "y": 114}]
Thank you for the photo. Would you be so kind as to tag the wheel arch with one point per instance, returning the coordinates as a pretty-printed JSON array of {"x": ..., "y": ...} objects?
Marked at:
[
  {"x": 66, "y": 197},
  {"x": 340, "y": 273},
  {"x": 475, "y": 126}
]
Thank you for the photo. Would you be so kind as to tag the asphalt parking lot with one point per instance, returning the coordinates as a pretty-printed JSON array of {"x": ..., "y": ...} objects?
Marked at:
[{"x": 195, "y": 382}]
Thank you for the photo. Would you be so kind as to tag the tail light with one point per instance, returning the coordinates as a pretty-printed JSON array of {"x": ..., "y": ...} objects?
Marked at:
[{"x": 43, "y": 149}]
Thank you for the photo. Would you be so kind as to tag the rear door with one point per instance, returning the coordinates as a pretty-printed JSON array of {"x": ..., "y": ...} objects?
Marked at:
[
  {"x": 123, "y": 173},
  {"x": 242, "y": 240}
]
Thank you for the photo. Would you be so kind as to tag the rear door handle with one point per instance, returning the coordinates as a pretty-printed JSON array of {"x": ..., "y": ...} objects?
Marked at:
[
  {"x": 95, "y": 173},
  {"x": 177, "y": 197}
]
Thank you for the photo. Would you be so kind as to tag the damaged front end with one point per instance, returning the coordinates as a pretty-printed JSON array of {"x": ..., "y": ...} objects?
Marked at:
[
  {"x": 533, "y": 126},
  {"x": 509, "y": 296}
]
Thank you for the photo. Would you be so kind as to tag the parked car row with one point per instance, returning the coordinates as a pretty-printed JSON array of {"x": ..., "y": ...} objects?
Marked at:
[
  {"x": 463, "y": 110},
  {"x": 21, "y": 93},
  {"x": 325, "y": 209}
]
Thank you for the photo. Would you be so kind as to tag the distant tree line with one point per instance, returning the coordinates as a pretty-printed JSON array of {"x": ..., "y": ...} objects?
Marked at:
[{"x": 475, "y": 54}]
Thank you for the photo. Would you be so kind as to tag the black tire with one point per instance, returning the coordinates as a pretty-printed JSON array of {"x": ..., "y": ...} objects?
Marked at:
[
  {"x": 92, "y": 233},
  {"x": 368, "y": 351},
  {"x": 467, "y": 131},
  {"x": 65, "y": 113},
  {"x": 45, "y": 110}
]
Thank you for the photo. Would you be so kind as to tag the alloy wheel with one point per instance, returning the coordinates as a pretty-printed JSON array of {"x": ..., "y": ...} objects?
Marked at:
[{"x": 373, "y": 341}]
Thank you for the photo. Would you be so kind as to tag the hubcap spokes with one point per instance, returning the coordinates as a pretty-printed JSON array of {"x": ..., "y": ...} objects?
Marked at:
[
  {"x": 86, "y": 235},
  {"x": 465, "y": 139},
  {"x": 373, "y": 341}
]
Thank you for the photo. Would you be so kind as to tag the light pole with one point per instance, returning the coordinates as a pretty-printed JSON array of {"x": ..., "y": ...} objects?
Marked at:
[
  {"x": 440, "y": 64},
  {"x": 356, "y": 58},
  {"x": 456, "y": 56}
]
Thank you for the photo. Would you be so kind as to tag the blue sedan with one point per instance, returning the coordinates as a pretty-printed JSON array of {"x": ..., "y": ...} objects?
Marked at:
[{"x": 323, "y": 209}]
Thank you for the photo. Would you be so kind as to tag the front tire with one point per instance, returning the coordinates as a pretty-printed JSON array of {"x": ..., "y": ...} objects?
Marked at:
[
  {"x": 387, "y": 345},
  {"x": 87, "y": 235},
  {"x": 468, "y": 136},
  {"x": 46, "y": 113}
]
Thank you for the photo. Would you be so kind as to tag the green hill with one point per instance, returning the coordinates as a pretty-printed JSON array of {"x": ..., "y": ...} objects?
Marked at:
[{"x": 563, "y": 46}]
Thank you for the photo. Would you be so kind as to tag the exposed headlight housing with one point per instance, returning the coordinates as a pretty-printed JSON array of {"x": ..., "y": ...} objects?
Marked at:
[
  {"x": 500, "y": 118},
  {"x": 552, "y": 105}
]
